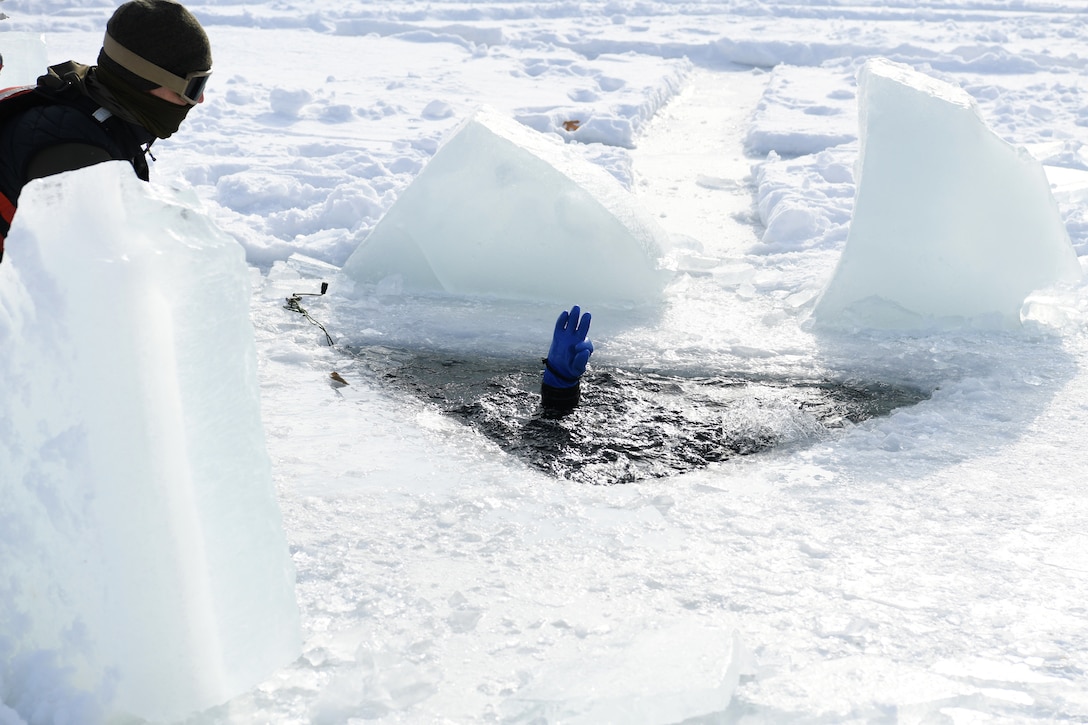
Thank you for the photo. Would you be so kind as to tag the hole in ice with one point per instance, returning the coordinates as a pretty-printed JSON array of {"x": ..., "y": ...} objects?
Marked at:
[{"x": 632, "y": 425}]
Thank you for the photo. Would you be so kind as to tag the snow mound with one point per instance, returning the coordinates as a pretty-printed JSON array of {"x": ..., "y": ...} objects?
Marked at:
[
  {"x": 951, "y": 223},
  {"x": 143, "y": 555},
  {"x": 502, "y": 210},
  {"x": 802, "y": 111}
]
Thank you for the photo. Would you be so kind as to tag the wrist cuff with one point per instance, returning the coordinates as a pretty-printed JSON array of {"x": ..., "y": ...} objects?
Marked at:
[
  {"x": 561, "y": 399},
  {"x": 559, "y": 377}
]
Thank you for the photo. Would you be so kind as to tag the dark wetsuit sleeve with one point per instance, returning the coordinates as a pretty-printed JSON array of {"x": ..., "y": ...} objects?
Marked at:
[
  {"x": 65, "y": 157},
  {"x": 560, "y": 399}
]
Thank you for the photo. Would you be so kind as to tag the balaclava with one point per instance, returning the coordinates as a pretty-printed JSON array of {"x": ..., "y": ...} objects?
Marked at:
[{"x": 161, "y": 32}]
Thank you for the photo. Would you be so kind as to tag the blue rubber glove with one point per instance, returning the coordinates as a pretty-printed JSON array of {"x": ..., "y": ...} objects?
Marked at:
[{"x": 570, "y": 350}]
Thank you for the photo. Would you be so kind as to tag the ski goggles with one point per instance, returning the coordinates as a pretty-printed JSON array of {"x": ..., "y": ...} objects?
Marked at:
[{"x": 191, "y": 87}]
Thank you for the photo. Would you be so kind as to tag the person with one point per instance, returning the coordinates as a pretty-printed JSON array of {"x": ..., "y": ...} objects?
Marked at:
[
  {"x": 152, "y": 69},
  {"x": 568, "y": 356}
]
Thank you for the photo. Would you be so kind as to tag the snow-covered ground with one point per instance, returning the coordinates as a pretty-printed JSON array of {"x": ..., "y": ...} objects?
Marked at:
[{"x": 930, "y": 566}]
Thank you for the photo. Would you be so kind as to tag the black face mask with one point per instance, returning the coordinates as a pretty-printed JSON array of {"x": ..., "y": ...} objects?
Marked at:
[{"x": 157, "y": 115}]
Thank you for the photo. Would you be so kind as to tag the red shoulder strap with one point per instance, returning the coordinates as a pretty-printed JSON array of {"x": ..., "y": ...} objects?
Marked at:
[
  {"x": 8, "y": 106},
  {"x": 13, "y": 91},
  {"x": 7, "y": 213}
]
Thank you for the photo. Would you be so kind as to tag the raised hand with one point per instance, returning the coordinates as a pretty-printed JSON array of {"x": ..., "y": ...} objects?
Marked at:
[{"x": 570, "y": 350}]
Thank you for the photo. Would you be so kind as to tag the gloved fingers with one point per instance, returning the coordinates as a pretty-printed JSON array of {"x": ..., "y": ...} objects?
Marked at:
[
  {"x": 561, "y": 322},
  {"x": 586, "y": 345},
  {"x": 572, "y": 319},
  {"x": 581, "y": 359},
  {"x": 583, "y": 325}
]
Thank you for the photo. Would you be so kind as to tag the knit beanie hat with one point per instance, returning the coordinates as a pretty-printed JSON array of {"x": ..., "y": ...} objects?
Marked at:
[{"x": 162, "y": 32}]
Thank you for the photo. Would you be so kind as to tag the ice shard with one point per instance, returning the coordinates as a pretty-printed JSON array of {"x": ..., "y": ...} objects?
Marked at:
[
  {"x": 952, "y": 224},
  {"x": 25, "y": 58},
  {"x": 504, "y": 211}
]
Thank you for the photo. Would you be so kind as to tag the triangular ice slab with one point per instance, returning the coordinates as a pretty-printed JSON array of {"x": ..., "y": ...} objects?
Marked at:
[{"x": 502, "y": 210}]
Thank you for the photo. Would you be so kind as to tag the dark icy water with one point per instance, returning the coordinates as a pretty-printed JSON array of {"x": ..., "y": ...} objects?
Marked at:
[{"x": 633, "y": 425}]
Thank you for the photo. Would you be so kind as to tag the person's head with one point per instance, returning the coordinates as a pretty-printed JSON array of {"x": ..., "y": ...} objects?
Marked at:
[{"x": 155, "y": 56}]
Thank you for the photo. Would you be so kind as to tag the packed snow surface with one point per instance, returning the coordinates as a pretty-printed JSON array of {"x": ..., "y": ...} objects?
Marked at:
[{"x": 928, "y": 565}]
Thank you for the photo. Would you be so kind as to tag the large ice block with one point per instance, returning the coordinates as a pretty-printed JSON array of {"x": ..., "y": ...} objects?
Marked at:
[
  {"x": 503, "y": 210},
  {"x": 142, "y": 551},
  {"x": 951, "y": 223}
]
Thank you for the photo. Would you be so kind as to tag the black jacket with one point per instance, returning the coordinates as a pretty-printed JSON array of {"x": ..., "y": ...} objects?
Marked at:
[{"x": 61, "y": 126}]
